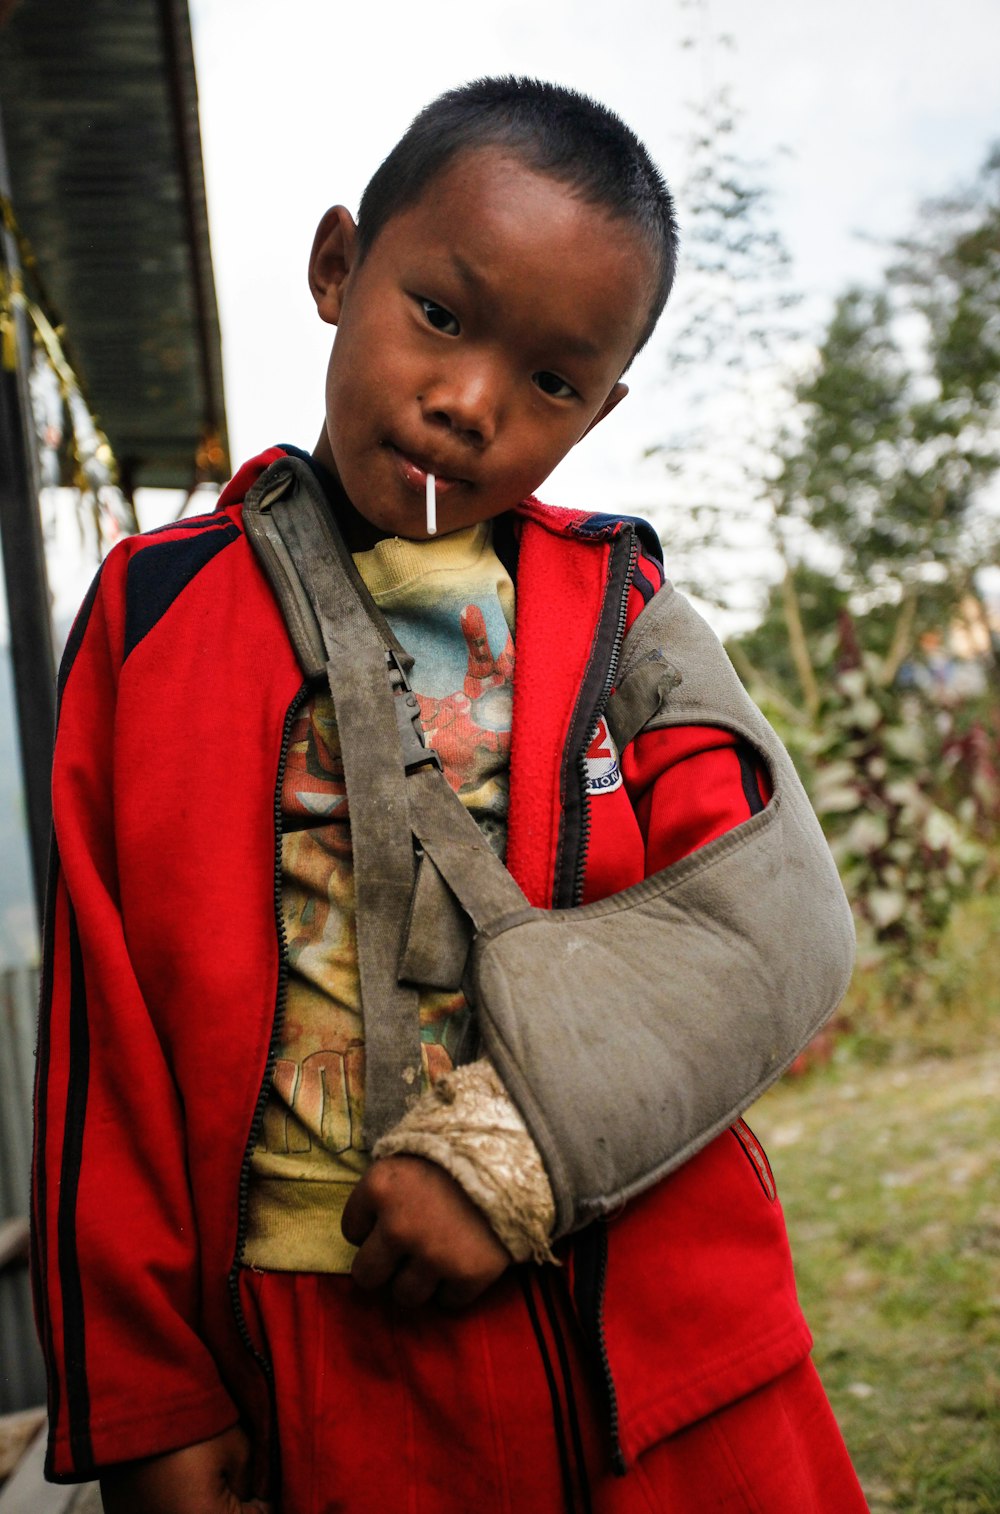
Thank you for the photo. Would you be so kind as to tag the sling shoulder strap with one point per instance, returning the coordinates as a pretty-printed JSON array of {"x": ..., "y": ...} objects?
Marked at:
[{"x": 414, "y": 927}]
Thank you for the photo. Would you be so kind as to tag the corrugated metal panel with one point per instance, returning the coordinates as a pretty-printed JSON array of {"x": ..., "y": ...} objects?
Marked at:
[
  {"x": 100, "y": 115},
  {"x": 22, "y": 1378}
]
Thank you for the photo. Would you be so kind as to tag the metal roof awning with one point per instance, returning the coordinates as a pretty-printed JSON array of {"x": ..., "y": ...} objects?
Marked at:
[
  {"x": 99, "y": 109},
  {"x": 101, "y": 168}
]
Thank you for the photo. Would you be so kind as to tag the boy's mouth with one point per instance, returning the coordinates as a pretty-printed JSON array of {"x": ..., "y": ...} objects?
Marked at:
[{"x": 414, "y": 470}]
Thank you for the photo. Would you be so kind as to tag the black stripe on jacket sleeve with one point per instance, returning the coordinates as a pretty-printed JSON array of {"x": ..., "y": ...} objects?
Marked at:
[
  {"x": 748, "y": 775},
  {"x": 159, "y": 573},
  {"x": 644, "y": 585}
]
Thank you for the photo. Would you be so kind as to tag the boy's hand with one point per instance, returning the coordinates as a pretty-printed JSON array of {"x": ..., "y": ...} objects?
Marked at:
[
  {"x": 212, "y": 1477},
  {"x": 420, "y": 1233}
]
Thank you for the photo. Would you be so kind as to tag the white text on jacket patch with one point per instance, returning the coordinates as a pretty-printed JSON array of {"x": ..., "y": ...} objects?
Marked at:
[{"x": 603, "y": 773}]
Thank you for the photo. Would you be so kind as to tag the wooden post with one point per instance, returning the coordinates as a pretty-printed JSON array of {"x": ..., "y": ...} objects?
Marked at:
[{"x": 25, "y": 577}]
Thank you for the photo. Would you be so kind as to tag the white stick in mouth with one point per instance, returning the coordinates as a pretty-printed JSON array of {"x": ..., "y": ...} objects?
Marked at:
[{"x": 432, "y": 523}]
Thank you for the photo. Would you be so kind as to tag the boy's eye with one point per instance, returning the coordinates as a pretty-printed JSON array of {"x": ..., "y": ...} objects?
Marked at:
[
  {"x": 551, "y": 383},
  {"x": 438, "y": 317}
]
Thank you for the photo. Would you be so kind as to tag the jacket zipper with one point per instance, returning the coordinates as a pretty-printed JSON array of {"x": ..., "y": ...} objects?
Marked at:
[
  {"x": 610, "y": 1394},
  {"x": 628, "y": 536},
  {"x": 272, "y": 1051},
  {"x": 595, "y": 1302}
]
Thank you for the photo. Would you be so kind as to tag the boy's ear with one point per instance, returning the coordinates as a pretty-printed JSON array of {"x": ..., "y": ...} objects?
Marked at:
[
  {"x": 334, "y": 251},
  {"x": 616, "y": 396}
]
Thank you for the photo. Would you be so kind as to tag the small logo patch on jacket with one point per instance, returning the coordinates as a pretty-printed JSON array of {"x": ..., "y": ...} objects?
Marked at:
[
  {"x": 755, "y": 1154},
  {"x": 603, "y": 772}
]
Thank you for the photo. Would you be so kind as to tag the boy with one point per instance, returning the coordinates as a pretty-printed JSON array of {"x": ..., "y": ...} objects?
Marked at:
[{"x": 236, "y": 1300}]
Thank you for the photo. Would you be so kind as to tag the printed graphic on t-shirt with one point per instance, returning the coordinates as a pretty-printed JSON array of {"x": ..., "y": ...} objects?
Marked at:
[{"x": 465, "y": 702}]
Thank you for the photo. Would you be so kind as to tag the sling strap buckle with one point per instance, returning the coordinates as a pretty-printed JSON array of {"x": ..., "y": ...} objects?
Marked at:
[{"x": 416, "y": 752}]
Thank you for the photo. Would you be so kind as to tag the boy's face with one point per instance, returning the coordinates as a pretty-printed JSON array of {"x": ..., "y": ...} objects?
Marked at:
[{"x": 482, "y": 336}]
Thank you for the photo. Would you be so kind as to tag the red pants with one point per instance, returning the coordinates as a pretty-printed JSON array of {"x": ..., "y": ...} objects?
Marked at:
[{"x": 386, "y": 1411}]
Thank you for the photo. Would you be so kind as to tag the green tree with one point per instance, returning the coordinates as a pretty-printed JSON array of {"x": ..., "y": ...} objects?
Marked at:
[{"x": 895, "y": 438}]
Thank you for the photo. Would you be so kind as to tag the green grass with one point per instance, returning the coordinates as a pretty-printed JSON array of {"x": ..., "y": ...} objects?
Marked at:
[{"x": 888, "y": 1166}]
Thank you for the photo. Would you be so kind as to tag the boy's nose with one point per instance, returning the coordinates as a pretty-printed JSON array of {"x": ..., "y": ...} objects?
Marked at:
[{"x": 465, "y": 401}]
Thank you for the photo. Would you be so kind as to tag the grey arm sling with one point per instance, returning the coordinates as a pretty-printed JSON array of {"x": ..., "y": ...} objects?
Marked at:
[{"x": 630, "y": 1031}]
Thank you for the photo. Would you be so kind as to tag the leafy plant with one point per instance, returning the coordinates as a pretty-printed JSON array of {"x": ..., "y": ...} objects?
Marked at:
[{"x": 878, "y": 771}]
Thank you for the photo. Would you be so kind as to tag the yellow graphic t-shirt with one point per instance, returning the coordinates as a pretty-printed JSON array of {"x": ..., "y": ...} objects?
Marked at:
[{"x": 450, "y": 602}]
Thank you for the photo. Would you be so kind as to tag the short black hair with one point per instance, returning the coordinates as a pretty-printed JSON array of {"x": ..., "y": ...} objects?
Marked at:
[{"x": 556, "y": 131}]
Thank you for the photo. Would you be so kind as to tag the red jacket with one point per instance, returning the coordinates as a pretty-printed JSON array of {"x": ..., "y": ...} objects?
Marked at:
[{"x": 163, "y": 976}]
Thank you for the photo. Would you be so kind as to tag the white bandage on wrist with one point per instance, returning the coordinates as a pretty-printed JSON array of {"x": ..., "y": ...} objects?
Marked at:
[{"x": 468, "y": 1125}]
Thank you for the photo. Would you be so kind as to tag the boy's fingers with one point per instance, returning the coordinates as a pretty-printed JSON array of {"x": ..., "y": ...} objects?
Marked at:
[
  {"x": 414, "y": 1283},
  {"x": 459, "y": 1295},
  {"x": 377, "y": 1260},
  {"x": 360, "y": 1214}
]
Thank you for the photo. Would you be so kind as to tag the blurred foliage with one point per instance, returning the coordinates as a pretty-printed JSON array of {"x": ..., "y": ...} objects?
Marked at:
[
  {"x": 904, "y": 858},
  {"x": 969, "y": 774},
  {"x": 908, "y": 793}
]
